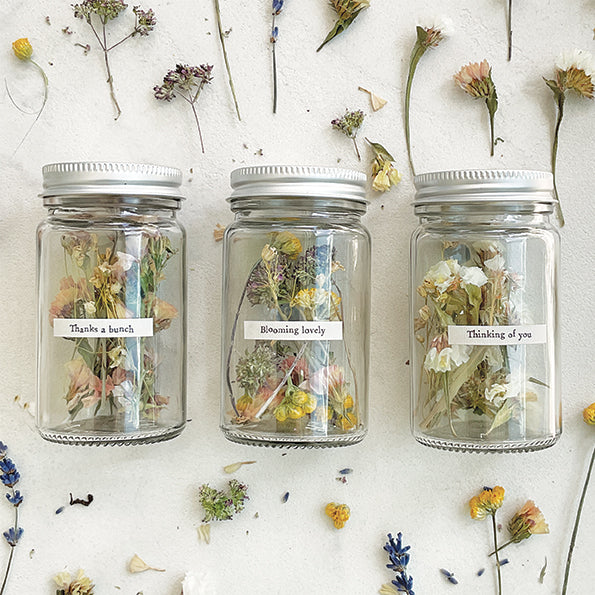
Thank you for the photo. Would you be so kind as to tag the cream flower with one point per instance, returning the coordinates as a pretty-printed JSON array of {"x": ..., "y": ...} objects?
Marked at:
[
  {"x": 579, "y": 59},
  {"x": 443, "y": 274},
  {"x": 90, "y": 309},
  {"x": 438, "y": 23},
  {"x": 472, "y": 276},
  {"x": 197, "y": 584},
  {"x": 496, "y": 263},
  {"x": 448, "y": 358}
]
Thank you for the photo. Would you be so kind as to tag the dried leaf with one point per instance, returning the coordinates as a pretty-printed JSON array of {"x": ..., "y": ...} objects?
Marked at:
[
  {"x": 137, "y": 564},
  {"x": 204, "y": 533},
  {"x": 235, "y": 466},
  {"x": 377, "y": 102},
  {"x": 219, "y": 232},
  {"x": 542, "y": 573},
  {"x": 502, "y": 415}
]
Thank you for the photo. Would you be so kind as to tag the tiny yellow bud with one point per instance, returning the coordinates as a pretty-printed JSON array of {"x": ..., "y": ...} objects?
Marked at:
[
  {"x": 589, "y": 415},
  {"x": 22, "y": 49}
]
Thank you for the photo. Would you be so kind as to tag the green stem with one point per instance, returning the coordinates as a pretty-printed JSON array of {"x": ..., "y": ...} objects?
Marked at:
[
  {"x": 7, "y": 570},
  {"x": 274, "y": 43},
  {"x": 496, "y": 552},
  {"x": 492, "y": 141},
  {"x": 560, "y": 103},
  {"x": 416, "y": 54},
  {"x": 110, "y": 78},
  {"x": 576, "y": 524},
  {"x": 500, "y": 548},
  {"x": 222, "y": 39}
]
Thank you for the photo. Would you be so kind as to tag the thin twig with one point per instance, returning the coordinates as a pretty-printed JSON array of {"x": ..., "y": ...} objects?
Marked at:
[
  {"x": 496, "y": 552},
  {"x": 222, "y": 39}
]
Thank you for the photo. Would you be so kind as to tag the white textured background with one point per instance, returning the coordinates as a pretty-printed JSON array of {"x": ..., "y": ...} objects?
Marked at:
[{"x": 146, "y": 497}]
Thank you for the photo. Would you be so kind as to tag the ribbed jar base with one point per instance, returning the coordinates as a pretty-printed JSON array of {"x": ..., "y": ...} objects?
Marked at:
[
  {"x": 487, "y": 447},
  {"x": 128, "y": 439},
  {"x": 280, "y": 441}
]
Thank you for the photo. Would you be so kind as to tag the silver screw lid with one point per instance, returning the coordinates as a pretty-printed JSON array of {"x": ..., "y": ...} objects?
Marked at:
[
  {"x": 106, "y": 178},
  {"x": 332, "y": 185},
  {"x": 464, "y": 186}
]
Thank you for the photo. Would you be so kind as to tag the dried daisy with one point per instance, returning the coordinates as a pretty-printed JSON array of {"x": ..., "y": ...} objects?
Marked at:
[
  {"x": 476, "y": 80},
  {"x": 574, "y": 72},
  {"x": 348, "y": 11},
  {"x": 137, "y": 564}
]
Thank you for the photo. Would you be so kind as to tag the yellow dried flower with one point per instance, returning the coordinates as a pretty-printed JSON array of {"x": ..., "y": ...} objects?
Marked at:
[
  {"x": 339, "y": 513},
  {"x": 287, "y": 243},
  {"x": 22, "y": 49},
  {"x": 589, "y": 414},
  {"x": 487, "y": 502}
]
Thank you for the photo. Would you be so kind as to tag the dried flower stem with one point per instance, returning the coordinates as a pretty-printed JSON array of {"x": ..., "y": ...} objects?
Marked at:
[
  {"x": 576, "y": 523},
  {"x": 418, "y": 51},
  {"x": 45, "y": 98},
  {"x": 274, "y": 74},
  {"x": 222, "y": 40},
  {"x": 560, "y": 97},
  {"x": 495, "y": 530},
  {"x": 509, "y": 24}
]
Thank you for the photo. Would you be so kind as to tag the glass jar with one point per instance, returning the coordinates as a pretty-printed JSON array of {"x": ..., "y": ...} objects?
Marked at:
[
  {"x": 484, "y": 348},
  {"x": 296, "y": 301},
  {"x": 112, "y": 294}
]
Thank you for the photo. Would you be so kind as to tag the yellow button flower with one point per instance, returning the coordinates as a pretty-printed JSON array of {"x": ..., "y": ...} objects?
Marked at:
[
  {"x": 589, "y": 414},
  {"x": 22, "y": 49},
  {"x": 487, "y": 502},
  {"x": 339, "y": 513}
]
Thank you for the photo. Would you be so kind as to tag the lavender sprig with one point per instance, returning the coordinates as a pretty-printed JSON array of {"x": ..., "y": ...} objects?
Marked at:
[
  {"x": 399, "y": 558},
  {"x": 9, "y": 476},
  {"x": 105, "y": 11},
  {"x": 277, "y": 8},
  {"x": 188, "y": 82}
]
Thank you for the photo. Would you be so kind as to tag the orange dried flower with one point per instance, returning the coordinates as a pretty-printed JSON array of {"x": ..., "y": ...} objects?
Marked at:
[{"x": 339, "y": 513}]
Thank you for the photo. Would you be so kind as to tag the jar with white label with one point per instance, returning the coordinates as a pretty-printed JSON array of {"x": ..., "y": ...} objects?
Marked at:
[
  {"x": 484, "y": 349},
  {"x": 111, "y": 311},
  {"x": 296, "y": 301}
]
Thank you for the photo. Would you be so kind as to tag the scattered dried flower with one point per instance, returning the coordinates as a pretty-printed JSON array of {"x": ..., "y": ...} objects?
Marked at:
[
  {"x": 219, "y": 505},
  {"x": 481, "y": 571},
  {"x": 66, "y": 585},
  {"x": 188, "y": 82},
  {"x": 204, "y": 533},
  {"x": 348, "y": 11},
  {"x": 339, "y": 513},
  {"x": 285, "y": 497},
  {"x": 60, "y": 510},
  {"x": 103, "y": 11},
  {"x": 383, "y": 170},
  {"x": 529, "y": 520},
  {"x": 450, "y": 577},
  {"x": 222, "y": 37},
  {"x": 428, "y": 36},
  {"x": 349, "y": 125},
  {"x": 574, "y": 72},
  {"x": 9, "y": 477},
  {"x": 476, "y": 80},
  {"x": 23, "y": 50},
  {"x": 346, "y": 471},
  {"x": 86, "y": 47},
  {"x": 219, "y": 232},
  {"x": 399, "y": 559},
  {"x": 376, "y": 101},
  {"x": 82, "y": 501},
  {"x": 137, "y": 564},
  {"x": 589, "y": 421},
  {"x": 235, "y": 466},
  {"x": 487, "y": 502}
]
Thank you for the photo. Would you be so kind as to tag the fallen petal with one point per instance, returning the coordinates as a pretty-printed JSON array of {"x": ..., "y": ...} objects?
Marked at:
[
  {"x": 137, "y": 564},
  {"x": 235, "y": 466}
]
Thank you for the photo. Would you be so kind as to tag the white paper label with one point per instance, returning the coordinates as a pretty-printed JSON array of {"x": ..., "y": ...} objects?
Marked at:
[
  {"x": 525, "y": 334},
  {"x": 103, "y": 327},
  {"x": 293, "y": 331}
]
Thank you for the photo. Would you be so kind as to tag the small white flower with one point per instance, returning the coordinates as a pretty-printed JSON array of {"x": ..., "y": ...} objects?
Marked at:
[
  {"x": 443, "y": 274},
  {"x": 578, "y": 59},
  {"x": 439, "y": 23},
  {"x": 90, "y": 309},
  {"x": 473, "y": 276},
  {"x": 496, "y": 263},
  {"x": 495, "y": 393},
  {"x": 448, "y": 358}
]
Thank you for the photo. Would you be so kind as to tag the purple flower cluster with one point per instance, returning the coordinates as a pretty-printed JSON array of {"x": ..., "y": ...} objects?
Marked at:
[
  {"x": 9, "y": 476},
  {"x": 184, "y": 79},
  {"x": 145, "y": 20},
  {"x": 105, "y": 9}
]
